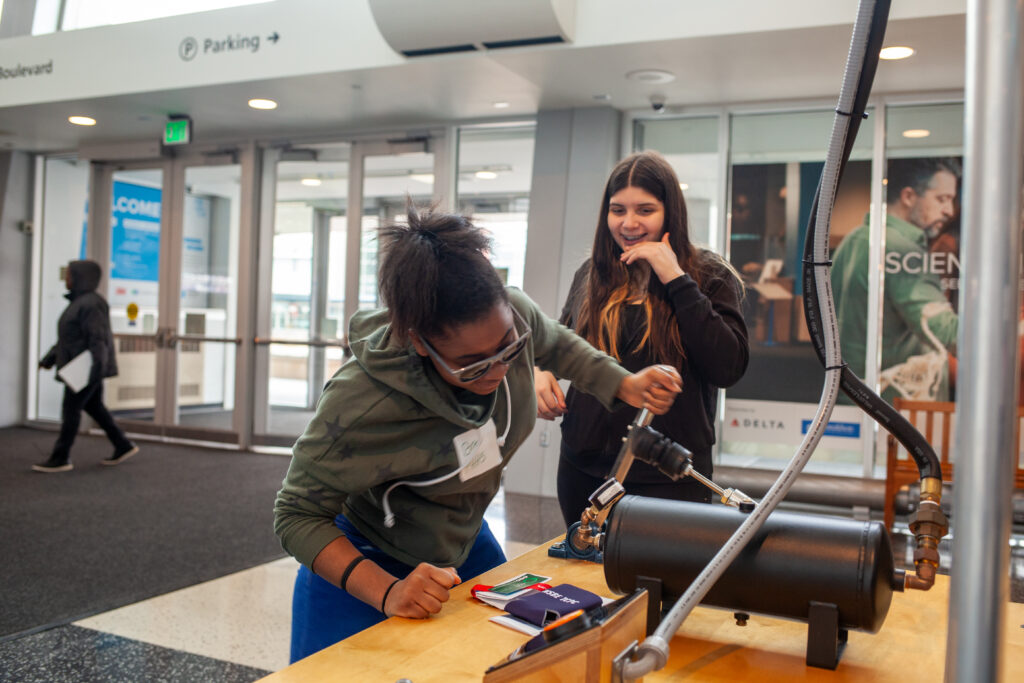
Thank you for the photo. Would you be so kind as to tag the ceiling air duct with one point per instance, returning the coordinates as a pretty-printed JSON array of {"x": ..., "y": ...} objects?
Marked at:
[{"x": 417, "y": 28}]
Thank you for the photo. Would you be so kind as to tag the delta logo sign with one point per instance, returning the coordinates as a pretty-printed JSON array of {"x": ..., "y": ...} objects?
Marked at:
[{"x": 755, "y": 423}]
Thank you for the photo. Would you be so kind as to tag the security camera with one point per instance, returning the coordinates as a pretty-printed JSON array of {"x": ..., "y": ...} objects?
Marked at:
[{"x": 658, "y": 103}]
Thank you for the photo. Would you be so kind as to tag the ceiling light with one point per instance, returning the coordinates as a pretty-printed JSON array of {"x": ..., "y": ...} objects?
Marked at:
[
  {"x": 896, "y": 52},
  {"x": 916, "y": 133},
  {"x": 486, "y": 175},
  {"x": 259, "y": 103},
  {"x": 82, "y": 120},
  {"x": 311, "y": 182},
  {"x": 427, "y": 178},
  {"x": 603, "y": 97},
  {"x": 501, "y": 105},
  {"x": 684, "y": 186},
  {"x": 651, "y": 76}
]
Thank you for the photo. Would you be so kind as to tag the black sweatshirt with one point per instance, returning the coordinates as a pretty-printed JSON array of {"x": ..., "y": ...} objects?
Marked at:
[{"x": 714, "y": 339}]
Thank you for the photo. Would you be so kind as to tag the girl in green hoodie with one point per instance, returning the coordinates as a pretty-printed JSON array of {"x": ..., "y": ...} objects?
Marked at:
[{"x": 384, "y": 499}]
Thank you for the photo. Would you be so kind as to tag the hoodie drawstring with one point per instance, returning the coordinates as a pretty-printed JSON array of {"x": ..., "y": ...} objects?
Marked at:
[{"x": 389, "y": 517}]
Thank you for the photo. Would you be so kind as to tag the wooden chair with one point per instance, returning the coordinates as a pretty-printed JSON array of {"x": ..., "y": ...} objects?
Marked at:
[{"x": 935, "y": 420}]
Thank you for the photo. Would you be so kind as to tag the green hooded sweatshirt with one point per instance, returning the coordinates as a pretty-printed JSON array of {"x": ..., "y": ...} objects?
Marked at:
[
  {"x": 387, "y": 416},
  {"x": 910, "y": 293}
]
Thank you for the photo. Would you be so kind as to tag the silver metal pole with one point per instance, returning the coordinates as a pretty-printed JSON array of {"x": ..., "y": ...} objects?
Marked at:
[
  {"x": 986, "y": 405},
  {"x": 876, "y": 287}
]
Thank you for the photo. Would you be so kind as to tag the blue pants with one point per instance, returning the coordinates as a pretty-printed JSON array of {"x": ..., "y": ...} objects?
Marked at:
[{"x": 323, "y": 614}]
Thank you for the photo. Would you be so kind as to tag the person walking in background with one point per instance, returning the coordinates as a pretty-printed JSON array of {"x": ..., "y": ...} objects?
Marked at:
[
  {"x": 84, "y": 326},
  {"x": 647, "y": 295},
  {"x": 384, "y": 499}
]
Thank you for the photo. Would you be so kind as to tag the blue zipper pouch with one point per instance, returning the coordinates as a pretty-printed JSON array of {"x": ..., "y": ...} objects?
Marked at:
[{"x": 543, "y": 607}]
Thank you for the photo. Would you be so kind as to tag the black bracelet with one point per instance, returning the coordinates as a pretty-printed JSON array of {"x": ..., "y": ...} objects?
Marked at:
[
  {"x": 384, "y": 600},
  {"x": 348, "y": 570}
]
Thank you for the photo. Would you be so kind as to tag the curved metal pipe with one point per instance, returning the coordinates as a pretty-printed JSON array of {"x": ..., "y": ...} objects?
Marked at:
[
  {"x": 653, "y": 652},
  {"x": 814, "y": 489}
]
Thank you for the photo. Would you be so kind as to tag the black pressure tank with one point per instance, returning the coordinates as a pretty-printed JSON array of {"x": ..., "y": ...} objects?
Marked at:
[{"x": 792, "y": 560}]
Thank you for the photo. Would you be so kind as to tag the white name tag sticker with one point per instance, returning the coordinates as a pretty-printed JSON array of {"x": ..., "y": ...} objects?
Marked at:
[{"x": 477, "y": 450}]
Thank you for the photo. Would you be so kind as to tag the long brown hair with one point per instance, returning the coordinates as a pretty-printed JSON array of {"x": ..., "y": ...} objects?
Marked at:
[{"x": 610, "y": 283}]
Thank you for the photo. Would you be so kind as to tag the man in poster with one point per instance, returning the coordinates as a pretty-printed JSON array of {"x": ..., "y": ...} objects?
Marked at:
[{"x": 919, "y": 326}]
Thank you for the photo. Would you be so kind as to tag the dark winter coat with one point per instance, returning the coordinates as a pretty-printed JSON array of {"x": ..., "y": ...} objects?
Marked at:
[{"x": 84, "y": 324}]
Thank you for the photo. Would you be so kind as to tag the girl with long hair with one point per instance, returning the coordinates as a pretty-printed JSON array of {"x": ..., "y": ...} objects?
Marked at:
[{"x": 647, "y": 295}]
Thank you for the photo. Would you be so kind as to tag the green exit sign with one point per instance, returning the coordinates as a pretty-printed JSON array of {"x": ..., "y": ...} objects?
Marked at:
[{"x": 178, "y": 132}]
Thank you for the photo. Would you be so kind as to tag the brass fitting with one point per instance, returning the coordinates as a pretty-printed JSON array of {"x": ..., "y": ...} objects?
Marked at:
[
  {"x": 926, "y": 564},
  {"x": 929, "y": 520},
  {"x": 584, "y": 536},
  {"x": 931, "y": 489},
  {"x": 929, "y": 525}
]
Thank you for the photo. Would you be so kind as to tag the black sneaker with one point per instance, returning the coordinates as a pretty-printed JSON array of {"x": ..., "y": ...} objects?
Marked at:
[
  {"x": 120, "y": 456},
  {"x": 53, "y": 465}
]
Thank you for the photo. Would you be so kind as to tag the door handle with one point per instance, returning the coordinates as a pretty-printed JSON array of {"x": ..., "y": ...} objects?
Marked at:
[{"x": 165, "y": 338}]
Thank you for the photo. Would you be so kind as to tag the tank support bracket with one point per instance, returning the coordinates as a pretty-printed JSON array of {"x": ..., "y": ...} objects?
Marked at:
[
  {"x": 654, "y": 598},
  {"x": 825, "y": 640}
]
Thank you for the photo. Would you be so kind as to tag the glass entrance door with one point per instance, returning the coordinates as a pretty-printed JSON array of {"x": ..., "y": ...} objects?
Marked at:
[
  {"x": 205, "y": 338},
  {"x": 172, "y": 289},
  {"x": 300, "y": 343},
  {"x": 326, "y": 205},
  {"x": 133, "y": 197},
  {"x": 390, "y": 181}
]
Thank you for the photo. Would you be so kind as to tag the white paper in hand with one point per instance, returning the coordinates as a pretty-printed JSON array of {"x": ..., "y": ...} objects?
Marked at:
[{"x": 76, "y": 373}]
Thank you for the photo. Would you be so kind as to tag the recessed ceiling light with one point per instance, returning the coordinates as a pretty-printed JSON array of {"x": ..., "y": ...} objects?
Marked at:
[
  {"x": 684, "y": 186},
  {"x": 501, "y": 105},
  {"x": 896, "y": 52},
  {"x": 259, "y": 103},
  {"x": 427, "y": 178},
  {"x": 486, "y": 175},
  {"x": 651, "y": 76},
  {"x": 916, "y": 133},
  {"x": 82, "y": 120},
  {"x": 311, "y": 182},
  {"x": 603, "y": 97}
]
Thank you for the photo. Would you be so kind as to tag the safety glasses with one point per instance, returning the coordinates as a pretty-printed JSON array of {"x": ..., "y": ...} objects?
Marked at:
[{"x": 475, "y": 371}]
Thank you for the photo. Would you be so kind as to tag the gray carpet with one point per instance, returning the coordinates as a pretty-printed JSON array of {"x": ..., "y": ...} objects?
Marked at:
[{"x": 78, "y": 543}]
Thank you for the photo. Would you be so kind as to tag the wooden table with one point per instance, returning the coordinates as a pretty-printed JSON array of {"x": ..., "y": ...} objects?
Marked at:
[{"x": 460, "y": 644}]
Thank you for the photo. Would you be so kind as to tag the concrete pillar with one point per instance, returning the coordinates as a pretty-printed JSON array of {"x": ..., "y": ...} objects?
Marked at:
[
  {"x": 16, "y": 186},
  {"x": 575, "y": 150}
]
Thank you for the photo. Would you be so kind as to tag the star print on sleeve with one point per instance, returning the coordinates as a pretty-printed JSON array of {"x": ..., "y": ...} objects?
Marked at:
[
  {"x": 319, "y": 495},
  {"x": 386, "y": 473},
  {"x": 334, "y": 428}
]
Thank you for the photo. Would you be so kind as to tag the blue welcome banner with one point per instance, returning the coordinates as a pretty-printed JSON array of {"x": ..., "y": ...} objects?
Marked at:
[{"x": 135, "y": 232}]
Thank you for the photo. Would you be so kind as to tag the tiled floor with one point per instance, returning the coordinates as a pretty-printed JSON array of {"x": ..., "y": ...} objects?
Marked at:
[
  {"x": 241, "y": 618},
  {"x": 233, "y": 629},
  {"x": 71, "y": 654}
]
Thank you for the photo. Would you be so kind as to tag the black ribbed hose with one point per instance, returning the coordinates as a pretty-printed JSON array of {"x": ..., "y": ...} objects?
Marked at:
[{"x": 879, "y": 410}]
